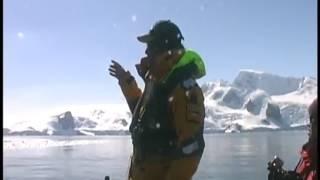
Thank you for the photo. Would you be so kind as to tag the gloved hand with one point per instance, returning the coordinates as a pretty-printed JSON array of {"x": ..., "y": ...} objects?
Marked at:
[
  {"x": 117, "y": 71},
  {"x": 143, "y": 67}
]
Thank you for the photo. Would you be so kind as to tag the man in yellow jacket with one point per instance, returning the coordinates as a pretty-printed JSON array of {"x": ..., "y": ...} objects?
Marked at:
[{"x": 168, "y": 116}]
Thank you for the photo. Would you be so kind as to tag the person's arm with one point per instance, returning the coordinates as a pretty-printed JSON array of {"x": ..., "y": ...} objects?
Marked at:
[
  {"x": 130, "y": 90},
  {"x": 127, "y": 84},
  {"x": 187, "y": 103}
]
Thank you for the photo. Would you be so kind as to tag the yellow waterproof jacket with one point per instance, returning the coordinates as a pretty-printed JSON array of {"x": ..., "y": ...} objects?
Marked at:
[
  {"x": 186, "y": 100},
  {"x": 186, "y": 113}
]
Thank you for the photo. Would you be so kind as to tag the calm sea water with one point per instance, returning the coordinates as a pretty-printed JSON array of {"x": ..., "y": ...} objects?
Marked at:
[{"x": 227, "y": 156}]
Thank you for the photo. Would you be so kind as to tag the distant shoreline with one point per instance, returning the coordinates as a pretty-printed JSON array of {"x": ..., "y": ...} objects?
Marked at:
[{"x": 127, "y": 133}]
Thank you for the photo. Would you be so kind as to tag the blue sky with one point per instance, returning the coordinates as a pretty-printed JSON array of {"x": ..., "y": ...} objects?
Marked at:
[{"x": 57, "y": 52}]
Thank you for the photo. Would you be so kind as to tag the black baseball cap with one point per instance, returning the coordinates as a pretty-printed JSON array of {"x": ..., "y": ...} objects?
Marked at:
[{"x": 162, "y": 30}]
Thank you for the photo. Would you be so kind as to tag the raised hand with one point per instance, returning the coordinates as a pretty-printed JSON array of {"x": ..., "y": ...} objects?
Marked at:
[{"x": 116, "y": 70}]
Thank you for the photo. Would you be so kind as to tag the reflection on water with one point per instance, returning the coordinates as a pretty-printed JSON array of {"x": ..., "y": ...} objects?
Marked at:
[
  {"x": 67, "y": 148},
  {"x": 226, "y": 156}
]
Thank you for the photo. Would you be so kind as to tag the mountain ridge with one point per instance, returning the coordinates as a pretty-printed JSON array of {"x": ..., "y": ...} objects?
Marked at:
[{"x": 254, "y": 100}]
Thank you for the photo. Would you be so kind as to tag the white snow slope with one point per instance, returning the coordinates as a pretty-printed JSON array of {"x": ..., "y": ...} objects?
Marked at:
[{"x": 253, "y": 101}]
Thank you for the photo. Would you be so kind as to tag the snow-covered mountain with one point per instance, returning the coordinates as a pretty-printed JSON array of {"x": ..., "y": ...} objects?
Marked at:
[{"x": 253, "y": 101}]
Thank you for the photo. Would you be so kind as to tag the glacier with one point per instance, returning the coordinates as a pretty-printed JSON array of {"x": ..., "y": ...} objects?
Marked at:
[{"x": 254, "y": 101}]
